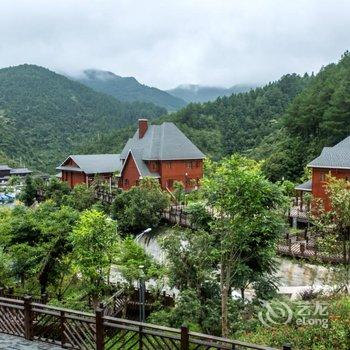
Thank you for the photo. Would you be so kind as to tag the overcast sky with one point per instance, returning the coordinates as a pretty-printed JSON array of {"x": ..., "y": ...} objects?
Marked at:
[{"x": 165, "y": 43}]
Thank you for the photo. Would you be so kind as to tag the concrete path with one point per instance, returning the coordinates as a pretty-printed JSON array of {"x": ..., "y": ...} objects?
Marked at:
[{"x": 11, "y": 342}]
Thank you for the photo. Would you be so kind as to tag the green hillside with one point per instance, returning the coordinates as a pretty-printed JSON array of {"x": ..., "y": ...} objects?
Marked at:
[
  {"x": 198, "y": 93},
  {"x": 45, "y": 116},
  {"x": 128, "y": 89}
]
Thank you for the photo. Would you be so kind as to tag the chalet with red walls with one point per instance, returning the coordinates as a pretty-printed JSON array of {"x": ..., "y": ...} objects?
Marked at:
[
  {"x": 332, "y": 160},
  {"x": 77, "y": 169},
  {"x": 159, "y": 151},
  {"x": 162, "y": 152}
]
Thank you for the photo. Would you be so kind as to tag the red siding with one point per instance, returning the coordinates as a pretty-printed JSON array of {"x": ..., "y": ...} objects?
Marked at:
[
  {"x": 189, "y": 172},
  {"x": 130, "y": 174},
  {"x": 319, "y": 184},
  {"x": 73, "y": 178}
]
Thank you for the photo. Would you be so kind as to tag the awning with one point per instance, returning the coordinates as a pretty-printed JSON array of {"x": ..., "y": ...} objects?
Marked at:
[{"x": 306, "y": 186}]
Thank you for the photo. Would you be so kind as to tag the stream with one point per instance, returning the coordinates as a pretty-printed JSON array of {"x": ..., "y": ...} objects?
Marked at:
[{"x": 294, "y": 276}]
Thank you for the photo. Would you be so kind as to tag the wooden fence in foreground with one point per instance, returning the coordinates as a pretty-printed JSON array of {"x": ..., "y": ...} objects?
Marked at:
[{"x": 86, "y": 331}]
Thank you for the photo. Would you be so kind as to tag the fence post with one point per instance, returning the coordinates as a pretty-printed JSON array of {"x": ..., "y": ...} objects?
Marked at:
[
  {"x": 62, "y": 322},
  {"x": 44, "y": 298},
  {"x": 28, "y": 317},
  {"x": 302, "y": 248},
  {"x": 287, "y": 346},
  {"x": 99, "y": 329},
  {"x": 184, "y": 338},
  {"x": 140, "y": 338}
]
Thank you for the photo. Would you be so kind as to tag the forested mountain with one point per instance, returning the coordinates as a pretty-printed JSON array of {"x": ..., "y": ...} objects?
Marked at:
[
  {"x": 128, "y": 89},
  {"x": 238, "y": 123},
  {"x": 230, "y": 124},
  {"x": 285, "y": 123},
  {"x": 318, "y": 117},
  {"x": 198, "y": 93},
  {"x": 45, "y": 116}
]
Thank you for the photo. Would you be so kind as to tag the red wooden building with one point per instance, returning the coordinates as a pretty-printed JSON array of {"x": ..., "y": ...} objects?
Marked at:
[
  {"x": 332, "y": 160},
  {"x": 163, "y": 152},
  {"x": 159, "y": 151},
  {"x": 84, "y": 168}
]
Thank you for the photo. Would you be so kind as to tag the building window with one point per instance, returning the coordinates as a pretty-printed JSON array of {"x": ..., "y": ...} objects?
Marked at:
[
  {"x": 189, "y": 165},
  {"x": 168, "y": 165},
  {"x": 323, "y": 177},
  {"x": 197, "y": 164},
  {"x": 154, "y": 165},
  {"x": 126, "y": 182}
]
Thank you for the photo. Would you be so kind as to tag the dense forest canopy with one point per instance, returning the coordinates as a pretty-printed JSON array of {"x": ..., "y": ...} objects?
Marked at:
[{"x": 44, "y": 116}]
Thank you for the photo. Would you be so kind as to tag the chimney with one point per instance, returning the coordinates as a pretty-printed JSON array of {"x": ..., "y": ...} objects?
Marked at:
[{"x": 143, "y": 126}]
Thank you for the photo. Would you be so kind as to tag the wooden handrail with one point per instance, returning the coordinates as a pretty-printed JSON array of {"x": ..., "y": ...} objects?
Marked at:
[{"x": 53, "y": 324}]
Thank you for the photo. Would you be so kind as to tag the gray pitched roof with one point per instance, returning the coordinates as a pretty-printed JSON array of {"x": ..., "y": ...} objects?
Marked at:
[
  {"x": 4, "y": 167},
  {"x": 337, "y": 156},
  {"x": 306, "y": 186},
  {"x": 20, "y": 171},
  {"x": 162, "y": 142},
  {"x": 94, "y": 163}
]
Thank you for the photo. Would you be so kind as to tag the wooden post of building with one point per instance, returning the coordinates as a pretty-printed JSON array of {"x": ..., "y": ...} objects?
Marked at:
[
  {"x": 302, "y": 248},
  {"x": 28, "y": 318},
  {"x": 184, "y": 338},
  {"x": 289, "y": 245},
  {"x": 99, "y": 329}
]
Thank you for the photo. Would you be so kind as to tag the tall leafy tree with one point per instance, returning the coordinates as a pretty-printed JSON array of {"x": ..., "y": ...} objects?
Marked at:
[
  {"x": 248, "y": 224},
  {"x": 95, "y": 240}
]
